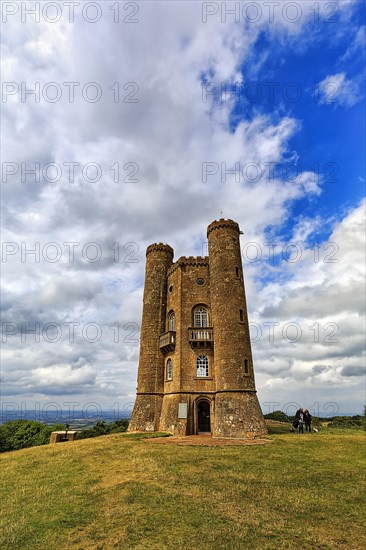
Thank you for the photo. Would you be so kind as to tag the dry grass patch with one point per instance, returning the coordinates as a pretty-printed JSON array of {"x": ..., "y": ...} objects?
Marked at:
[{"x": 299, "y": 492}]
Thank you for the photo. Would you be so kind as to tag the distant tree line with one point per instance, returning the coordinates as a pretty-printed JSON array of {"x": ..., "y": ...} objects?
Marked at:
[
  {"x": 19, "y": 434},
  {"x": 356, "y": 421},
  {"x": 279, "y": 416},
  {"x": 104, "y": 428}
]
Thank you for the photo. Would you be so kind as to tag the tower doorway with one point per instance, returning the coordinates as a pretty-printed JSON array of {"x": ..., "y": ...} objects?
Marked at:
[{"x": 203, "y": 417}]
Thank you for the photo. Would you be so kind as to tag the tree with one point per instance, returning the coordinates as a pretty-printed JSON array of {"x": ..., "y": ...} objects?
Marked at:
[
  {"x": 18, "y": 434},
  {"x": 277, "y": 415}
]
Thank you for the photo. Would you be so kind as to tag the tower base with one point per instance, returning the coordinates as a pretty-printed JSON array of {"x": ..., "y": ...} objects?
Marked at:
[
  {"x": 146, "y": 413},
  {"x": 173, "y": 422},
  {"x": 222, "y": 414},
  {"x": 238, "y": 415}
]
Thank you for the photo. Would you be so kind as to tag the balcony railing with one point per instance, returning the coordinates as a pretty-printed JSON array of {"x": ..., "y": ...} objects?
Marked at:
[
  {"x": 201, "y": 337},
  {"x": 167, "y": 341}
]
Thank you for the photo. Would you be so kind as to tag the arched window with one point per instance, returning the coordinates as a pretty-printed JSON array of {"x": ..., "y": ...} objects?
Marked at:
[
  {"x": 202, "y": 366},
  {"x": 171, "y": 321},
  {"x": 169, "y": 370},
  {"x": 200, "y": 317}
]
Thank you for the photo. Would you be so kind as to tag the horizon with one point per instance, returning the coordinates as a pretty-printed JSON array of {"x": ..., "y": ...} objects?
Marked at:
[{"x": 103, "y": 415}]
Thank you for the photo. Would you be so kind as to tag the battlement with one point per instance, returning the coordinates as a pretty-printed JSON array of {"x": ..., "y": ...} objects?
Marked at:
[
  {"x": 193, "y": 261},
  {"x": 159, "y": 247},
  {"x": 222, "y": 223}
]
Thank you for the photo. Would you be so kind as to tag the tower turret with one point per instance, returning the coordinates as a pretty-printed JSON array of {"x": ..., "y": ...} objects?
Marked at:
[
  {"x": 237, "y": 409},
  {"x": 150, "y": 385}
]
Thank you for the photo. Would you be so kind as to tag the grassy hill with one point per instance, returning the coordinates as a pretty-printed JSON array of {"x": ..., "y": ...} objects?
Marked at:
[{"x": 298, "y": 492}]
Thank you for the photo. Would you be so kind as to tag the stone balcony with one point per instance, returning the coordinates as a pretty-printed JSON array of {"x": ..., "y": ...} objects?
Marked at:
[
  {"x": 201, "y": 337},
  {"x": 167, "y": 341}
]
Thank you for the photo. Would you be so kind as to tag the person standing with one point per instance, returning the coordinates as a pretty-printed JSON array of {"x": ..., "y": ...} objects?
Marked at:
[
  {"x": 301, "y": 422},
  {"x": 307, "y": 420},
  {"x": 295, "y": 423}
]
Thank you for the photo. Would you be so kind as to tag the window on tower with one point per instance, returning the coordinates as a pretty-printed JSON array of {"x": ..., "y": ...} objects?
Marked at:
[
  {"x": 246, "y": 366},
  {"x": 202, "y": 366},
  {"x": 241, "y": 315},
  {"x": 171, "y": 321},
  {"x": 169, "y": 370},
  {"x": 200, "y": 317}
]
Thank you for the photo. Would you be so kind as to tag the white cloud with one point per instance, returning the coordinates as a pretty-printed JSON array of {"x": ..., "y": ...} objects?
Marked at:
[
  {"x": 356, "y": 46},
  {"x": 305, "y": 227},
  {"x": 317, "y": 319},
  {"x": 60, "y": 376},
  {"x": 337, "y": 90},
  {"x": 169, "y": 133}
]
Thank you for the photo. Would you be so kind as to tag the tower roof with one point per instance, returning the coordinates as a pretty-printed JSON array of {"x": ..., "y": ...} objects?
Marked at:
[
  {"x": 222, "y": 222},
  {"x": 159, "y": 247}
]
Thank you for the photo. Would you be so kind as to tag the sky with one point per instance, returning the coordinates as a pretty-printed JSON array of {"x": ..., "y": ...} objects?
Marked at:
[{"x": 128, "y": 123}]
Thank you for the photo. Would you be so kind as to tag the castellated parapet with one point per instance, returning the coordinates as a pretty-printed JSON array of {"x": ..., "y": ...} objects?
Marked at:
[{"x": 195, "y": 368}]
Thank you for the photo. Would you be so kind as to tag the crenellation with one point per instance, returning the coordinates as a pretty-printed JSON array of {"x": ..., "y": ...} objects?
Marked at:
[
  {"x": 223, "y": 224},
  {"x": 184, "y": 261},
  {"x": 159, "y": 247}
]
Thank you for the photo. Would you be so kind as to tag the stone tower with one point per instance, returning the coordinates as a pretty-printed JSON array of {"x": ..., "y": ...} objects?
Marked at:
[{"x": 195, "y": 369}]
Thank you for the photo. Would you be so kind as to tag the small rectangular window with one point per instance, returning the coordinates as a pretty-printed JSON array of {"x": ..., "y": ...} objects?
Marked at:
[
  {"x": 246, "y": 368},
  {"x": 169, "y": 370},
  {"x": 241, "y": 315},
  {"x": 236, "y": 272}
]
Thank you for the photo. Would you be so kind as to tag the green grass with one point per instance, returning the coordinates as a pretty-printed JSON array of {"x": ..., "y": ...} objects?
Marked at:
[{"x": 299, "y": 492}]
